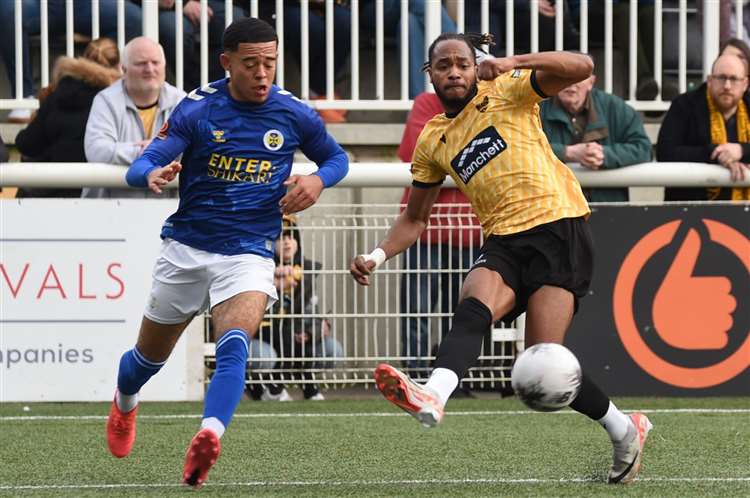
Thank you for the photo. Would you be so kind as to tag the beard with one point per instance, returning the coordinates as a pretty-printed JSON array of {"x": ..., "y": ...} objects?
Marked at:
[
  {"x": 456, "y": 102},
  {"x": 725, "y": 101}
]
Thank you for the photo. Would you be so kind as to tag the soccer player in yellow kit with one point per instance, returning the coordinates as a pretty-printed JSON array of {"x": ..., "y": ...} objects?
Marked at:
[{"x": 537, "y": 256}]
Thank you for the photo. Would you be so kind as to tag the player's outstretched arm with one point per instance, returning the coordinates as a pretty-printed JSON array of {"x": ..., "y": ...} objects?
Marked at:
[
  {"x": 554, "y": 70},
  {"x": 403, "y": 233}
]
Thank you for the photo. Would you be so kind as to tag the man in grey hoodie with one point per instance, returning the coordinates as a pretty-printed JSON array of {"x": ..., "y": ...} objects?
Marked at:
[{"x": 126, "y": 116}]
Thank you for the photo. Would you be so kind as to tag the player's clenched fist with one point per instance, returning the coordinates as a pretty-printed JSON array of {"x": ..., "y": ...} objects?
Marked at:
[
  {"x": 160, "y": 177},
  {"x": 489, "y": 69},
  {"x": 361, "y": 268},
  {"x": 364, "y": 264}
]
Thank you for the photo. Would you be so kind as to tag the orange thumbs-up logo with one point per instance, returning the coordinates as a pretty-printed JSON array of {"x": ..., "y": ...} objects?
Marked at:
[
  {"x": 693, "y": 312},
  {"x": 690, "y": 312}
]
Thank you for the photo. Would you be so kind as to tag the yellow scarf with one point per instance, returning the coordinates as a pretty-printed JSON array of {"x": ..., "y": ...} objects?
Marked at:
[{"x": 719, "y": 136}]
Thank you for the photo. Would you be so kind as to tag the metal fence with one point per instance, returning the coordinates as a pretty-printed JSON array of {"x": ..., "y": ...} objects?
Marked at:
[
  {"x": 380, "y": 323},
  {"x": 377, "y": 60}
]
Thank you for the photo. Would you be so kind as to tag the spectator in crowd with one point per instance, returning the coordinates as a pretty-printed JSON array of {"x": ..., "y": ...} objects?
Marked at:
[
  {"x": 57, "y": 130},
  {"x": 191, "y": 19},
  {"x": 297, "y": 337},
  {"x": 126, "y": 116},
  {"x": 392, "y": 28},
  {"x": 710, "y": 125},
  {"x": 56, "y": 10},
  {"x": 522, "y": 25},
  {"x": 446, "y": 249},
  {"x": 598, "y": 130},
  {"x": 316, "y": 43}
]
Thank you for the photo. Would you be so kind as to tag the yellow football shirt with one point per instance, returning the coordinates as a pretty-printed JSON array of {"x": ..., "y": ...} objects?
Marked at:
[{"x": 497, "y": 153}]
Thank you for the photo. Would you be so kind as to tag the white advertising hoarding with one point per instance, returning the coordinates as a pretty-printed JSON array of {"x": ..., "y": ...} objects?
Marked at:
[{"x": 74, "y": 277}]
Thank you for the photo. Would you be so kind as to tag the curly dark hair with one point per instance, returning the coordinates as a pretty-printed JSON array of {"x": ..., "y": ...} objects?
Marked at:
[{"x": 473, "y": 40}]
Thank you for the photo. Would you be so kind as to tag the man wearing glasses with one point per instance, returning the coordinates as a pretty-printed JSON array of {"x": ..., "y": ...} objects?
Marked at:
[{"x": 711, "y": 125}]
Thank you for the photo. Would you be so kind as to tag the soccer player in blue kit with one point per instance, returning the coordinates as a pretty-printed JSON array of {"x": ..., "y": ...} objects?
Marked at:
[{"x": 237, "y": 137}]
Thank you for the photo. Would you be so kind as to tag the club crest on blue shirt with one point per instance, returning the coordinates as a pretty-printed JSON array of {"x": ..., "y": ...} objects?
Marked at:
[
  {"x": 218, "y": 136},
  {"x": 273, "y": 140}
]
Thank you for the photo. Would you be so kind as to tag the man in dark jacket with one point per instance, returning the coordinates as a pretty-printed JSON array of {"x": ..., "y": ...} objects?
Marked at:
[
  {"x": 710, "y": 125},
  {"x": 598, "y": 130}
]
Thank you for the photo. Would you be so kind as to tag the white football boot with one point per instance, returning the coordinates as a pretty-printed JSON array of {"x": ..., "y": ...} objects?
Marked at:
[
  {"x": 415, "y": 399},
  {"x": 628, "y": 453}
]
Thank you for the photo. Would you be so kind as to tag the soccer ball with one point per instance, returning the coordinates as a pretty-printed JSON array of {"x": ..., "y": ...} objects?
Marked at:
[{"x": 547, "y": 377}]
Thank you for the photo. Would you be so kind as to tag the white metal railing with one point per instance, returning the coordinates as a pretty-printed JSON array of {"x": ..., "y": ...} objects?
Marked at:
[
  {"x": 387, "y": 174},
  {"x": 382, "y": 96}
]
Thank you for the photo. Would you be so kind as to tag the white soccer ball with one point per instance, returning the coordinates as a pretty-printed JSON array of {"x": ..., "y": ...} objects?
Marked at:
[{"x": 546, "y": 377}]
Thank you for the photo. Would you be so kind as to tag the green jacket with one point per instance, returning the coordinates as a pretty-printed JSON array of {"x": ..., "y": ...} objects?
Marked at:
[{"x": 613, "y": 124}]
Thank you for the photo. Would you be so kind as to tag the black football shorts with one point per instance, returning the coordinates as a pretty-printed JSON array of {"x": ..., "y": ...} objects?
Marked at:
[{"x": 559, "y": 253}]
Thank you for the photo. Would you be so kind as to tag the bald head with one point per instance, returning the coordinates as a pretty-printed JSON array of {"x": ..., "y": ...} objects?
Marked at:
[
  {"x": 144, "y": 64},
  {"x": 142, "y": 45}
]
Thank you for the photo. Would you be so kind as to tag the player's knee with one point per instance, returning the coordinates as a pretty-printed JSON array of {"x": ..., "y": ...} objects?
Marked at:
[
  {"x": 488, "y": 286},
  {"x": 472, "y": 315}
]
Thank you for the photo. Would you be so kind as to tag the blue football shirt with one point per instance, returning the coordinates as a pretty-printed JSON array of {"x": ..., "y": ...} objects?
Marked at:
[{"x": 236, "y": 157}]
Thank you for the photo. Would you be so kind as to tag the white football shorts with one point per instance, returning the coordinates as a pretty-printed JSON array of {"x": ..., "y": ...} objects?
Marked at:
[{"x": 187, "y": 281}]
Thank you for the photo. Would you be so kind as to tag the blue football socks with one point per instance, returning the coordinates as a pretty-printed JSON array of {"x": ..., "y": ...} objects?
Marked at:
[
  {"x": 228, "y": 383},
  {"x": 134, "y": 372}
]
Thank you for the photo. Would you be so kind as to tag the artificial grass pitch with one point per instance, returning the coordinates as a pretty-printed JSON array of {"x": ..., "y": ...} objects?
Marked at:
[{"x": 484, "y": 447}]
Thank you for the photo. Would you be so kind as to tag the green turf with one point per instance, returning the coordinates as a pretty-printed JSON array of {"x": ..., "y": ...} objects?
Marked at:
[{"x": 366, "y": 455}]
